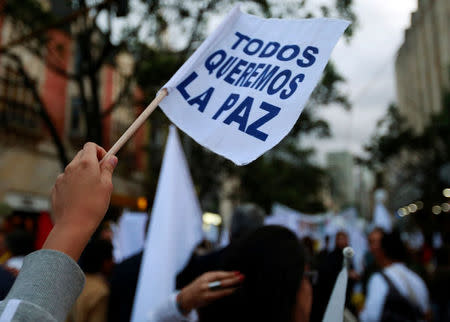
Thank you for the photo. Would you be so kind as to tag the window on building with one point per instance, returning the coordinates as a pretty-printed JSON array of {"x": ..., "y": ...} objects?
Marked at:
[{"x": 17, "y": 111}]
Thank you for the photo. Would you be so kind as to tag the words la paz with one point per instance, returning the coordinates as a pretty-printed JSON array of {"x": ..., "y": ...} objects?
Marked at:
[{"x": 233, "y": 110}]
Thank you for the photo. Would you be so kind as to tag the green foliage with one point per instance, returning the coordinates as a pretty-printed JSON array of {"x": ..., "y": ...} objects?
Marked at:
[
  {"x": 391, "y": 138},
  {"x": 344, "y": 8},
  {"x": 290, "y": 179},
  {"x": 29, "y": 12}
]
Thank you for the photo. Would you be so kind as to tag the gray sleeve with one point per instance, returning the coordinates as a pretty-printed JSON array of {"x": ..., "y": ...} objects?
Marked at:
[{"x": 48, "y": 284}]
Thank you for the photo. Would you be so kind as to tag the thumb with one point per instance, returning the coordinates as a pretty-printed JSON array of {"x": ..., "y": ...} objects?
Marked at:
[{"x": 107, "y": 167}]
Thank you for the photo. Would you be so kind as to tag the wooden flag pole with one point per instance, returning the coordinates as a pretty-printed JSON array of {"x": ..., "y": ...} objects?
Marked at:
[{"x": 136, "y": 124}]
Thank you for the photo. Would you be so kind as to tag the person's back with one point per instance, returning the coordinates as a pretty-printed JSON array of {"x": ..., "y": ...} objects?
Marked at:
[
  {"x": 396, "y": 293},
  {"x": 6, "y": 282},
  {"x": 20, "y": 244},
  {"x": 272, "y": 261},
  {"x": 329, "y": 270},
  {"x": 96, "y": 262},
  {"x": 246, "y": 219},
  {"x": 92, "y": 304},
  {"x": 380, "y": 301},
  {"x": 409, "y": 284},
  {"x": 124, "y": 280}
]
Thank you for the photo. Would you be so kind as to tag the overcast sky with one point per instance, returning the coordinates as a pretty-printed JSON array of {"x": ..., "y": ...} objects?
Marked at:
[{"x": 367, "y": 63}]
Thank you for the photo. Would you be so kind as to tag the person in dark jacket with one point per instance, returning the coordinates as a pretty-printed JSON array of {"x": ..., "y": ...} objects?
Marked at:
[
  {"x": 329, "y": 269},
  {"x": 6, "y": 282},
  {"x": 123, "y": 283}
]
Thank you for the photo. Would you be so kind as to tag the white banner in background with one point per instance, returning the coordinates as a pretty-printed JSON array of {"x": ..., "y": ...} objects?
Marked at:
[
  {"x": 321, "y": 225},
  {"x": 129, "y": 235},
  {"x": 301, "y": 224},
  {"x": 244, "y": 88}
]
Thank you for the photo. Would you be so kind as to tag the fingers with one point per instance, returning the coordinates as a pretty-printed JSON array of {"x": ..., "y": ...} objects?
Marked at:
[
  {"x": 215, "y": 295},
  {"x": 100, "y": 153},
  {"x": 227, "y": 279},
  {"x": 219, "y": 275},
  {"x": 78, "y": 156},
  {"x": 232, "y": 281},
  {"x": 90, "y": 152},
  {"x": 107, "y": 168}
]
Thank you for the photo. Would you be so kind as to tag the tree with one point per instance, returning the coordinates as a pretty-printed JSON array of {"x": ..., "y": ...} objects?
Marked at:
[
  {"x": 93, "y": 50},
  {"x": 420, "y": 158}
]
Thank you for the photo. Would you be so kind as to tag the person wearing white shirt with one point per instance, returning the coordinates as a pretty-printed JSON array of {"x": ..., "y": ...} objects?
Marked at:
[{"x": 390, "y": 256}]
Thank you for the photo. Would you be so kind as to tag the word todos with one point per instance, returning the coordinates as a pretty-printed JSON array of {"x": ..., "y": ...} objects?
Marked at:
[{"x": 261, "y": 76}]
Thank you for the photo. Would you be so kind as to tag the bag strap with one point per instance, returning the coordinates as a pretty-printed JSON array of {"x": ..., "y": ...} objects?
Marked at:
[
  {"x": 394, "y": 289},
  {"x": 411, "y": 293},
  {"x": 390, "y": 284}
]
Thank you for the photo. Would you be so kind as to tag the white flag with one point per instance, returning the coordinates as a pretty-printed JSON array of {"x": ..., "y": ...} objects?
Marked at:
[
  {"x": 335, "y": 307},
  {"x": 382, "y": 218},
  {"x": 129, "y": 235},
  {"x": 336, "y": 304},
  {"x": 244, "y": 88},
  {"x": 174, "y": 231}
]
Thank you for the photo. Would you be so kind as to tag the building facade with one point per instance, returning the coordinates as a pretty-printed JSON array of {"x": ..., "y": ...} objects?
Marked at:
[
  {"x": 422, "y": 65},
  {"x": 342, "y": 188},
  {"x": 29, "y": 162}
]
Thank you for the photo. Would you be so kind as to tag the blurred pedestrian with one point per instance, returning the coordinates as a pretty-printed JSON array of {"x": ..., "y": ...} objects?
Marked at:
[
  {"x": 19, "y": 243},
  {"x": 6, "y": 282},
  {"x": 246, "y": 219},
  {"x": 322, "y": 255},
  {"x": 4, "y": 253},
  {"x": 440, "y": 282},
  {"x": 370, "y": 264},
  {"x": 395, "y": 293},
  {"x": 96, "y": 262},
  {"x": 124, "y": 280},
  {"x": 329, "y": 269}
]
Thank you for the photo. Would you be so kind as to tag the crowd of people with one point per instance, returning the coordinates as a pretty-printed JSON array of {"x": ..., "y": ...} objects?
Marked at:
[{"x": 265, "y": 273}]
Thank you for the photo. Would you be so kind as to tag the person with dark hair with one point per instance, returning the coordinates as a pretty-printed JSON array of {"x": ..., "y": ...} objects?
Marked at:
[
  {"x": 246, "y": 219},
  {"x": 322, "y": 255},
  {"x": 19, "y": 243},
  {"x": 395, "y": 293},
  {"x": 6, "y": 282},
  {"x": 440, "y": 283},
  {"x": 123, "y": 283},
  {"x": 264, "y": 281},
  {"x": 96, "y": 262},
  {"x": 370, "y": 265},
  {"x": 4, "y": 252},
  {"x": 272, "y": 261}
]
